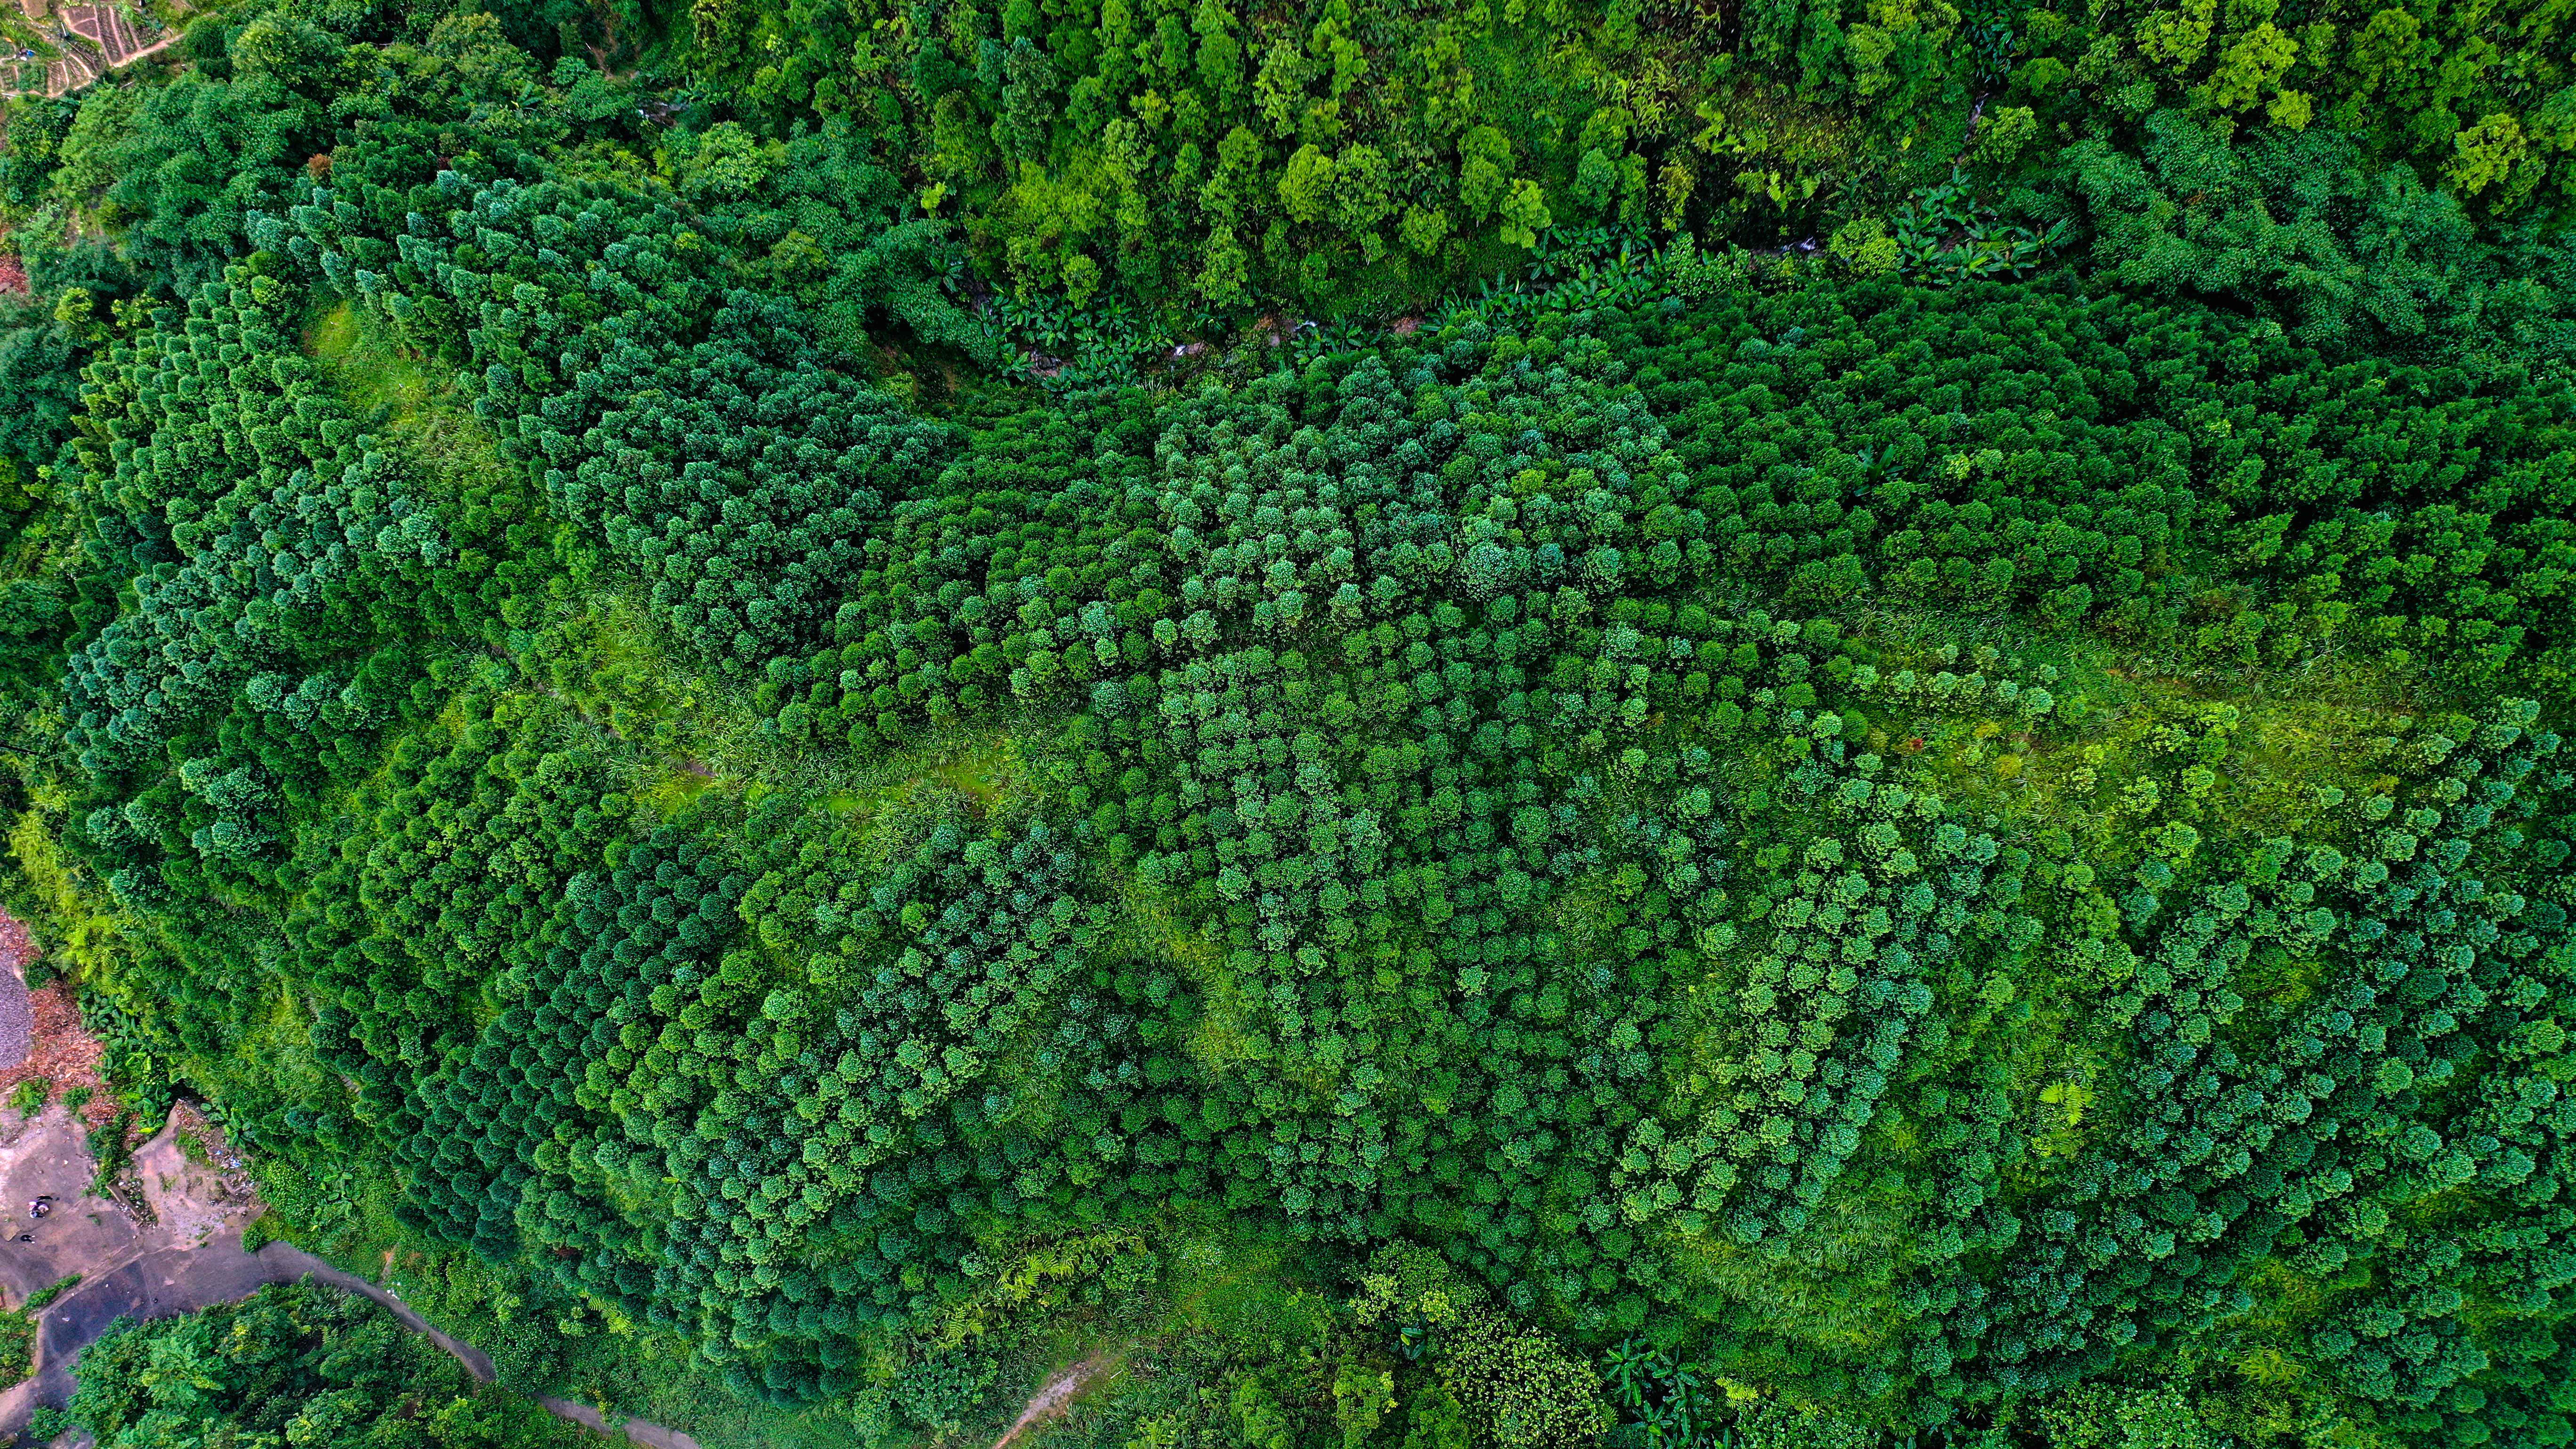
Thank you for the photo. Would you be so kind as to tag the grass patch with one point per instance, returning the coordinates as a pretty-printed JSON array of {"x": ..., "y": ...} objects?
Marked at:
[
  {"x": 676, "y": 790},
  {"x": 17, "y": 1346},
  {"x": 402, "y": 395},
  {"x": 985, "y": 775},
  {"x": 51, "y": 1291},
  {"x": 383, "y": 385}
]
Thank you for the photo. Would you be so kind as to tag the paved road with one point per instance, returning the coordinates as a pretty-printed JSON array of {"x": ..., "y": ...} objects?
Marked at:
[
  {"x": 156, "y": 1285},
  {"x": 17, "y": 1013},
  {"x": 175, "y": 1281}
]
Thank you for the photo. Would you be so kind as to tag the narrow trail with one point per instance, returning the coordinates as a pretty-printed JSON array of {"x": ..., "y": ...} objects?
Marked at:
[
  {"x": 182, "y": 1252},
  {"x": 171, "y": 1282},
  {"x": 1051, "y": 1400}
]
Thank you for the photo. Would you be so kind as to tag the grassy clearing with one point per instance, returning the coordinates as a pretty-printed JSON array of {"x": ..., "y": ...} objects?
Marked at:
[
  {"x": 383, "y": 385},
  {"x": 405, "y": 397}
]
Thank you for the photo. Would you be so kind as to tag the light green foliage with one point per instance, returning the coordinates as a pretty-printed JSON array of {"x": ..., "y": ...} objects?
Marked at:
[
  {"x": 2004, "y": 134},
  {"x": 1435, "y": 1420},
  {"x": 1773, "y": 1427},
  {"x": 724, "y": 164},
  {"x": 1361, "y": 198},
  {"x": 1362, "y": 1395},
  {"x": 1780, "y": 121},
  {"x": 2109, "y": 1418},
  {"x": 1516, "y": 1386},
  {"x": 1484, "y": 171},
  {"x": 1424, "y": 231},
  {"x": 1524, "y": 213},
  {"x": 1260, "y": 1421},
  {"x": 1863, "y": 245},
  {"x": 1306, "y": 188},
  {"x": 2177, "y": 37},
  {"x": 1222, "y": 279}
]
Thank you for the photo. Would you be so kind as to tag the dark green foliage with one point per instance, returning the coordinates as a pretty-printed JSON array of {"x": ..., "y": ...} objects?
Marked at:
[
  {"x": 201, "y": 155},
  {"x": 687, "y": 423},
  {"x": 2352, "y": 255},
  {"x": 36, "y": 132},
  {"x": 284, "y": 610},
  {"x": 17, "y": 1343},
  {"x": 937, "y": 1394},
  {"x": 50, "y": 1292},
  {"x": 297, "y": 1364},
  {"x": 1557, "y": 918},
  {"x": 37, "y": 368},
  {"x": 2049, "y": 451},
  {"x": 834, "y": 228}
]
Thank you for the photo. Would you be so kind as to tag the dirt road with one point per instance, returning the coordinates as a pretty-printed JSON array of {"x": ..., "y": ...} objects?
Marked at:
[
  {"x": 1057, "y": 1395},
  {"x": 189, "y": 1256},
  {"x": 183, "y": 1280}
]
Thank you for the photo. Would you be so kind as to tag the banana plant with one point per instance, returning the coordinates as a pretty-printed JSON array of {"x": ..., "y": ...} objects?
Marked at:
[{"x": 1632, "y": 1366}]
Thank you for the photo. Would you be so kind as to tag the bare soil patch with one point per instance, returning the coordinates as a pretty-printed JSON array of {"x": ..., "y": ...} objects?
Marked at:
[
  {"x": 1058, "y": 1394},
  {"x": 57, "y": 1050},
  {"x": 169, "y": 1243},
  {"x": 176, "y": 1199}
]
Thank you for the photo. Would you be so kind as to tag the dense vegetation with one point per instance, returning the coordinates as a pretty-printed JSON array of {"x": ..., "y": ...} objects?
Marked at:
[
  {"x": 1179, "y": 154},
  {"x": 739, "y": 681},
  {"x": 297, "y": 1364}
]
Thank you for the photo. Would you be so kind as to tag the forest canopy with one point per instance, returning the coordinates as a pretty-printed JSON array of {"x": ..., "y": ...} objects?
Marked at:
[{"x": 1806, "y": 724}]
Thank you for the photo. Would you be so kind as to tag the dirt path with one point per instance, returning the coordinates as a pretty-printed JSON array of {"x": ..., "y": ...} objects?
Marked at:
[
  {"x": 188, "y": 1256},
  {"x": 183, "y": 1281},
  {"x": 1051, "y": 1400},
  {"x": 652, "y": 1436}
]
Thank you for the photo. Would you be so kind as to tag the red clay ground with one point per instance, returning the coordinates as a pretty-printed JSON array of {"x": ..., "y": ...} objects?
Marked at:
[{"x": 60, "y": 1052}]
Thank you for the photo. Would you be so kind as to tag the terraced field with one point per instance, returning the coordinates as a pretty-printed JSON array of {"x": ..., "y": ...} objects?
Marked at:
[{"x": 77, "y": 44}]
